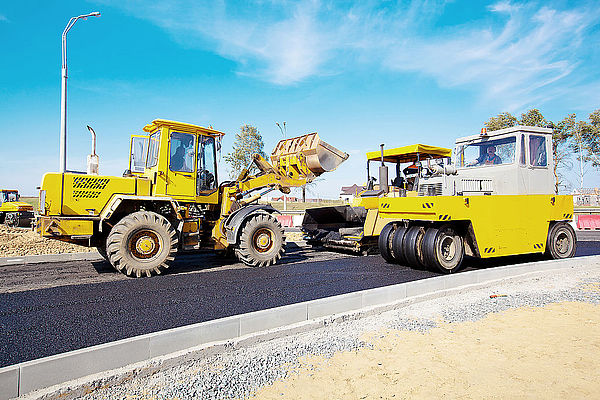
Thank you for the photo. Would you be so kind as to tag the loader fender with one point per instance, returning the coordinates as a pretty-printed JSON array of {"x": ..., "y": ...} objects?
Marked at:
[{"x": 238, "y": 217}]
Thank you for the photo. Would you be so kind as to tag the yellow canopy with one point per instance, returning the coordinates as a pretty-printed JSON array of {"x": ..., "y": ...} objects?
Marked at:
[{"x": 409, "y": 153}]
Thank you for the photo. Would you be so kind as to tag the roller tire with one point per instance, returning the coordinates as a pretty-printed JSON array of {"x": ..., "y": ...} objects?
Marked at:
[
  {"x": 561, "y": 242},
  {"x": 397, "y": 248},
  {"x": 142, "y": 244},
  {"x": 384, "y": 243},
  {"x": 412, "y": 246},
  {"x": 443, "y": 249},
  {"x": 261, "y": 242}
]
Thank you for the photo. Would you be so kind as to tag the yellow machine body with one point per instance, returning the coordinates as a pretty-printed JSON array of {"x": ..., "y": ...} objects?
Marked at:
[
  {"x": 357, "y": 225},
  {"x": 501, "y": 225},
  {"x": 14, "y": 212},
  {"x": 173, "y": 172}
]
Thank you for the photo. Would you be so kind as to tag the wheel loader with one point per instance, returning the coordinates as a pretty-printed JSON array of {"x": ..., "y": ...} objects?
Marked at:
[
  {"x": 13, "y": 212},
  {"x": 495, "y": 199},
  {"x": 170, "y": 199},
  {"x": 355, "y": 228}
]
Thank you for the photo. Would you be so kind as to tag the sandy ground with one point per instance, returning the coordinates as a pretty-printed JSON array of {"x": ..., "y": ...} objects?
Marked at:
[
  {"x": 546, "y": 352},
  {"x": 25, "y": 242}
]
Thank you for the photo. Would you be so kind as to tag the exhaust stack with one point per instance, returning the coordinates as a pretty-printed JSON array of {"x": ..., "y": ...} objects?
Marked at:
[
  {"x": 93, "y": 161},
  {"x": 383, "y": 175}
]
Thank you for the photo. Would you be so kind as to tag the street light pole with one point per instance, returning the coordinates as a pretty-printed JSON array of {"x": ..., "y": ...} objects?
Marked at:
[{"x": 63, "y": 91}]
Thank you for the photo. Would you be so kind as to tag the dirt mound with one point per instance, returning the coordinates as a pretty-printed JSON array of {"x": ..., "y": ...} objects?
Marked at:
[{"x": 25, "y": 242}]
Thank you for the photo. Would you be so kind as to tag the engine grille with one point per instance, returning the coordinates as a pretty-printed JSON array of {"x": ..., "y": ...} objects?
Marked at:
[
  {"x": 476, "y": 185},
  {"x": 88, "y": 182},
  {"x": 430, "y": 189},
  {"x": 86, "y": 194}
]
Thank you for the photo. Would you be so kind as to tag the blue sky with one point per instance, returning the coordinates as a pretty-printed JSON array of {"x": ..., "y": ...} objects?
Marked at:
[{"x": 360, "y": 73}]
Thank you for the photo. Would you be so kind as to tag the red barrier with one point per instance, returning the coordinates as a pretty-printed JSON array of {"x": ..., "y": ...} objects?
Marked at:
[
  {"x": 285, "y": 220},
  {"x": 591, "y": 221}
]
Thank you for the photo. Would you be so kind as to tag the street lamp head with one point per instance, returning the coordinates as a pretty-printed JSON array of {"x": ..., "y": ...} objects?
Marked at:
[{"x": 95, "y": 14}]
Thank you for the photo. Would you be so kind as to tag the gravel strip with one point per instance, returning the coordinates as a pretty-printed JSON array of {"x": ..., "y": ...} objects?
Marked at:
[{"x": 238, "y": 373}]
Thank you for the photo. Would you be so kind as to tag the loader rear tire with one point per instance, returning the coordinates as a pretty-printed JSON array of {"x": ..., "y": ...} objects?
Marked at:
[
  {"x": 142, "y": 244},
  {"x": 384, "y": 242},
  {"x": 261, "y": 241},
  {"x": 561, "y": 242},
  {"x": 412, "y": 246},
  {"x": 443, "y": 249}
]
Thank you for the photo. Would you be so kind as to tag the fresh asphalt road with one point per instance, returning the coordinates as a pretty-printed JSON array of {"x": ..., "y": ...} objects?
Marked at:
[{"x": 42, "y": 322}]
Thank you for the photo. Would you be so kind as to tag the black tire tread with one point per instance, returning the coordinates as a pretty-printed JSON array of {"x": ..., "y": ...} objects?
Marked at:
[
  {"x": 116, "y": 252},
  {"x": 244, "y": 251}
]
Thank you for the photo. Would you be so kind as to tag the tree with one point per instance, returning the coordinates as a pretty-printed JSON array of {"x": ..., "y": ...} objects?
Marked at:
[
  {"x": 533, "y": 117},
  {"x": 589, "y": 134},
  {"x": 247, "y": 143},
  {"x": 561, "y": 153},
  {"x": 503, "y": 120}
]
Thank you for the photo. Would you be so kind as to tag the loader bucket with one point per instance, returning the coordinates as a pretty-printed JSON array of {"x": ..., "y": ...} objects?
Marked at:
[{"x": 306, "y": 154}]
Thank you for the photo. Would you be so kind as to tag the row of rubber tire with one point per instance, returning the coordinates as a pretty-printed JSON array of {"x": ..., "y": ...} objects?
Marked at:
[
  {"x": 436, "y": 248},
  {"x": 442, "y": 248}
]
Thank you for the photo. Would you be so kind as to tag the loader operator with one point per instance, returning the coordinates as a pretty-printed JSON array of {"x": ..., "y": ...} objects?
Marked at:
[
  {"x": 488, "y": 158},
  {"x": 182, "y": 158}
]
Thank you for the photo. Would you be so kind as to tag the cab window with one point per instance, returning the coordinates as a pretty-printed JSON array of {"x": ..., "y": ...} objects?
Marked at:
[
  {"x": 537, "y": 151},
  {"x": 490, "y": 152},
  {"x": 207, "y": 174},
  {"x": 153, "y": 145},
  {"x": 182, "y": 152},
  {"x": 139, "y": 146}
]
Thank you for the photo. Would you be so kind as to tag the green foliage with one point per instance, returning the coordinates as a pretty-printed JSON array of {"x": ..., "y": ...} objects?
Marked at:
[
  {"x": 503, "y": 120},
  {"x": 588, "y": 135},
  {"x": 247, "y": 143},
  {"x": 533, "y": 117}
]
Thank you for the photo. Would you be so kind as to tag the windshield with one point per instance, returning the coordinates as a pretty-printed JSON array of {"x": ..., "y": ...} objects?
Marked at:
[{"x": 490, "y": 152}]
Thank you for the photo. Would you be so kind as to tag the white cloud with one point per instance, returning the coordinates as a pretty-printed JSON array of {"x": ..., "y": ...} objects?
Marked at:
[
  {"x": 517, "y": 56},
  {"x": 504, "y": 7}
]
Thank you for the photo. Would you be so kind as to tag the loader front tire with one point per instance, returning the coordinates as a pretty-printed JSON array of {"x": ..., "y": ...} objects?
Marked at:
[
  {"x": 261, "y": 241},
  {"x": 142, "y": 244}
]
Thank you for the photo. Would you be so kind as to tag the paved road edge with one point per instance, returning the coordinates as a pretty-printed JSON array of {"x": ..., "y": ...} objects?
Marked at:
[{"x": 178, "y": 343}]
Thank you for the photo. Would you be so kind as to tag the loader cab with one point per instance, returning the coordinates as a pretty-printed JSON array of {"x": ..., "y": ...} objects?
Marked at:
[
  {"x": 8, "y": 196},
  {"x": 181, "y": 161},
  {"x": 521, "y": 162}
]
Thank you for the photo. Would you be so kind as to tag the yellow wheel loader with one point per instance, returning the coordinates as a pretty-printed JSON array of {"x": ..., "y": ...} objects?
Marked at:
[
  {"x": 170, "y": 199},
  {"x": 355, "y": 228},
  {"x": 496, "y": 199},
  {"x": 13, "y": 212}
]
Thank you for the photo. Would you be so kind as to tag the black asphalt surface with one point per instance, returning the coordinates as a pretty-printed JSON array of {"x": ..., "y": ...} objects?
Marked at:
[{"x": 39, "y": 323}]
